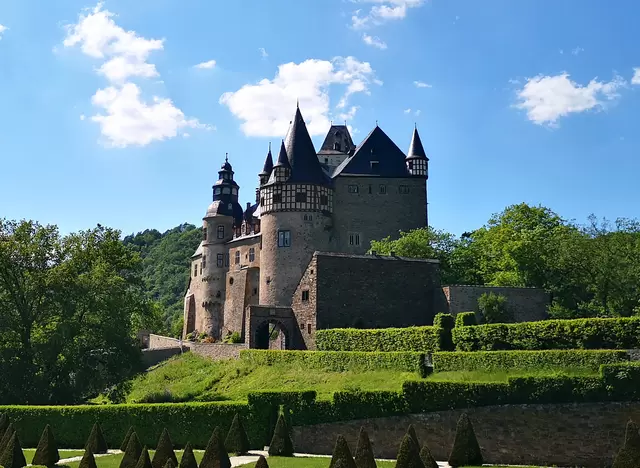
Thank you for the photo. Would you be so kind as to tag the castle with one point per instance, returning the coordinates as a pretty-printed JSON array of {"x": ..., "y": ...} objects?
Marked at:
[{"x": 296, "y": 259}]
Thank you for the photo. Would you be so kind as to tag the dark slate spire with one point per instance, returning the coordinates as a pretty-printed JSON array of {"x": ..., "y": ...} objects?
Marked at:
[
  {"x": 305, "y": 167},
  {"x": 268, "y": 163},
  {"x": 283, "y": 159},
  {"x": 416, "y": 150}
]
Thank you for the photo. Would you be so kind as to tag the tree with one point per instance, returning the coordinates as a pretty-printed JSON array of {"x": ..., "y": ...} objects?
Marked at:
[
  {"x": 237, "y": 440},
  {"x": 47, "y": 451},
  {"x": 364, "y": 453},
  {"x": 4, "y": 423},
  {"x": 281, "y": 444},
  {"x": 411, "y": 432},
  {"x": 6, "y": 438},
  {"x": 465, "y": 450},
  {"x": 493, "y": 308},
  {"x": 164, "y": 451},
  {"x": 341, "y": 454}
]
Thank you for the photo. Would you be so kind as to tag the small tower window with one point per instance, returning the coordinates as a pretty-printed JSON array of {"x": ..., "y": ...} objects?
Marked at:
[
  {"x": 226, "y": 260},
  {"x": 252, "y": 254},
  {"x": 195, "y": 270},
  {"x": 277, "y": 198},
  {"x": 225, "y": 176},
  {"x": 204, "y": 261},
  {"x": 220, "y": 232},
  {"x": 284, "y": 238},
  {"x": 234, "y": 191},
  {"x": 201, "y": 268},
  {"x": 324, "y": 200},
  {"x": 204, "y": 233},
  {"x": 301, "y": 197},
  {"x": 237, "y": 257},
  {"x": 383, "y": 189},
  {"x": 354, "y": 238},
  {"x": 226, "y": 191},
  {"x": 353, "y": 189},
  {"x": 220, "y": 260},
  {"x": 305, "y": 295},
  {"x": 326, "y": 160},
  {"x": 403, "y": 189},
  {"x": 217, "y": 191},
  {"x": 369, "y": 189},
  {"x": 410, "y": 165}
]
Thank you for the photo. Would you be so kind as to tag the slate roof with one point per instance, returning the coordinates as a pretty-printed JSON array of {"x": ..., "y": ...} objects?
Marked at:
[
  {"x": 283, "y": 158},
  {"x": 268, "y": 163},
  {"x": 377, "y": 146},
  {"x": 416, "y": 150},
  {"x": 305, "y": 167},
  {"x": 337, "y": 134}
]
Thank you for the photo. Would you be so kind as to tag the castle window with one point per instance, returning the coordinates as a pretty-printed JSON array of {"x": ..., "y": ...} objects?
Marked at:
[
  {"x": 220, "y": 260},
  {"x": 284, "y": 238},
  {"x": 336, "y": 146},
  {"x": 261, "y": 201},
  {"x": 374, "y": 166},
  {"x": 220, "y": 232},
  {"x": 326, "y": 160},
  {"x": 201, "y": 268},
  {"x": 369, "y": 189},
  {"x": 217, "y": 191},
  {"x": 226, "y": 191},
  {"x": 230, "y": 280},
  {"x": 252, "y": 254},
  {"x": 324, "y": 200},
  {"x": 308, "y": 218},
  {"x": 234, "y": 191},
  {"x": 301, "y": 197},
  {"x": 309, "y": 328},
  {"x": 410, "y": 165},
  {"x": 204, "y": 261},
  {"x": 226, "y": 260},
  {"x": 237, "y": 259},
  {"x": 403, "y": 189},
  {"x": 204, "y": 233},
  {"x": 353, "y": 189},
  {"x": 195, "y": 270},
  {"x": 305, "y": 295},
  {"x": 225, "y": 176},
  {"x": 383, "y": 189},
  {"x": 354, "y": 238},
  {"x": 277, "y": 198}
]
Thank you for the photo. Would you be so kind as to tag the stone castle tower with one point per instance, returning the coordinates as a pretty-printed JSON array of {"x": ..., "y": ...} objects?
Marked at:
[{"x": 337, "y": 200}]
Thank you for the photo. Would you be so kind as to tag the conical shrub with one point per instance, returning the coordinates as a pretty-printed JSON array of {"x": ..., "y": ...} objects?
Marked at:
[
  {"x": 341, "y": 453},
  {"x": 144, "y": 461},
  {"x": 164, "y": 451},
  {"x": 132, "y": 452},
  {"x": 281, "y": 444},
  {"x": 237, "y": 440},
  {"x": 629, "y": 455},
  {"x": 6, "y": 437},
  {"x": 12, "y": 457},
  {"x": 466, "y": 450},
  {"x": 364, "y": 453},
  {"x": 215, "y": 455},
  {"x": 169, "y": 464},
  {"x": 427, "y": 459},
  {"x": 125, "y": 441},
  {"x": 411, "y": 430},
  {"x": 88, "y": 460},
  {"x": 408, "y": 454},
  {"x": 262, "y": 462},
  {"x": 47, "y": 451},
  {"x": 188, "y": 458},
  {"x": 96, "y": 442},
  {"x": 4, "y": 423}
]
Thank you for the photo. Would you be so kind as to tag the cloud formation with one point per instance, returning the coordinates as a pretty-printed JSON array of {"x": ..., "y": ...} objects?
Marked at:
[
  {"x": 267, "y": 106},
  {"x": 381, "y": 12},
  {"x": 374, "y": 41},
  {"x": 548, "y": 98},
  {"x": 127, "y": 119},
  {"x": 263, "y": 52},
  {"x": 206, "y": 65},
  {"x": 421, "y": 84},
  {"x": 636, "y": 76},
  {"x": 3, "y": 28}
]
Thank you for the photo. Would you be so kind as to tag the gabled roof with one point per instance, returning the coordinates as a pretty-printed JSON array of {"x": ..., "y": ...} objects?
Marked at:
[
  {"x": 305, "y": 167},
  {"x": 268, "y": 163},
  {"x": 416, "y": 151},
  {"x": 337, "y": 134},
  {"x": 377, "y": 146}
]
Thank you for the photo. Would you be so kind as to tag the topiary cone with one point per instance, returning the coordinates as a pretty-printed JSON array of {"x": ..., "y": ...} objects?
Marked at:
[
  {"x": 12, "y": 457},
  {"x": 88, "y": 460},
  {"x": 132, "y": 453},
  {"x": 411, "y": 430},
  {"x": 164, "y": 451},
  {"x": 262, "y": 462},
  {"x": 466, "y": 450},
  {"x": 169, "y": 464},
  {"x": 427, "y": 459},
  {"x": 629, "y": 455},
  {"x": 47, "y": 451},
  {"x": 364, "y": 453},
  {"x": 215, "y": 455},
  {"x": 4, "y": 423},
  {"x": 341, "y": 454},
  {"x": 6, "y": 437},
  {"x": 96, "y": 442},
  {"x": 281, "y": 444},
  {"x": 144, "y": 461},
  {"x": 125, "y": 441},
  {"x": 188, "y": 458},
  {"x": 408, "y": 454},
  {"x": 237, "y": 440}
]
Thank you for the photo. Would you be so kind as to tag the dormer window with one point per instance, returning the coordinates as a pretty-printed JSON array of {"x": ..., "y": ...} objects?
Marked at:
[{"x": 374, "y": 166}]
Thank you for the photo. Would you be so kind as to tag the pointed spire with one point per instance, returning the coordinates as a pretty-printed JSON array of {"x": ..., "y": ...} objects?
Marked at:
[
  {"x": 416, "y": 150},
  {"x": 305, "y": 167},
  {"x": 268, "y": 163},
  {"x": 283, "y": 159}
]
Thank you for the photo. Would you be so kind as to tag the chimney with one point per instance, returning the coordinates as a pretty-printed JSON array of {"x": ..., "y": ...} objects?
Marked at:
[
  {"x": 257, "y": 196},
  {"x": 248, "y": 205}
]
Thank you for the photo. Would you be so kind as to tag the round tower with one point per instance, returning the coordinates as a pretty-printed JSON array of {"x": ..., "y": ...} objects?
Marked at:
[
  {"x": 223, "y": 216},
  {"x": 296, "y": 206}
]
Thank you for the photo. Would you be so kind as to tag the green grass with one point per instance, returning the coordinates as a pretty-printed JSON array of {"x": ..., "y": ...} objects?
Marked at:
[
  {"x": 503, "y": 375},
  {"x": 29, "y": 453},
  {"x": 310, "y": 462}
]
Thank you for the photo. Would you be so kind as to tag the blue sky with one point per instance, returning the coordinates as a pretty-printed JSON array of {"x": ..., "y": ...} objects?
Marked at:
[{"x": 120, "y": 113}]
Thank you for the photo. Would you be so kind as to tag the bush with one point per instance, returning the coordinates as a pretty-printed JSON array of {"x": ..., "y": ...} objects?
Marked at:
[
  {"x": 622, "y": 380},
  {"x": 445, "y": 323},
  {"x": 465, "y": 450},
  {"x": 427, "y": 459},
  {"x": 281, "y": 444},
  {"x": 132, "y": 453},
  {"x": 47, "y": 451},
  {"x": 169, "y": 464},
  {"x": 262, "y": 462},
  {"x": 164, "y": 451},
  {"x": 144, "y": 461},
  {"x": 629, "y": 454},
  {"x": 408, "y": 454},
  {"x": 12, "y": 456},
  {"x": 88, "y": 460},
  {"x": 96, "y": 442},
  {"x": 493, "y": 308},
  {"x": 215, "y": 455},
  {"x": 364, "y": 453},
  {"x": 237, "y": 440},
  {"x": 466, "y": 319},
  {"x": 504, "y": 360},
  {"x": 340, "y": 361},
  {"x": 125, "y": 441},
  {"x": 383, "y": 339},
  {"x": 341, "y": 455},
  {"x": 4, "y": 423},
  {"x": 6, "y": 438},
  {"x": 411, "y": 432},
  {"x": 188, "y": 459},
  {"x": 590, "y": 333}
]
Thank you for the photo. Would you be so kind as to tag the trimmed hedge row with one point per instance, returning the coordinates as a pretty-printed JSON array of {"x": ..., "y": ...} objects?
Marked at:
[
  {"x": 543, "y": 360},
  {"x": 340, "y": 361},
  {"x": 593, "y": 333},
  {"x": 466, "y": 319}
]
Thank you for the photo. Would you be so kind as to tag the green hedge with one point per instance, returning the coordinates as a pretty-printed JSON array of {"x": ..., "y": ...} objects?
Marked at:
[
  {"x": 539, "y": 360},
  {"x": 428, "y": 338},
  {"x": 466, "y": 319},
  {"x": 340, "y": 361},
  {"x": 617, "y": 333}
]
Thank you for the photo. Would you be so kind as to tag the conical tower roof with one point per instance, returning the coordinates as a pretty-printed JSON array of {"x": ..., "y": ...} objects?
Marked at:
[
  {"x": 268, "y": 163},
  {"x": 416, "y": 150},
  {"x": 305, "y": 167},
  {"x": 283, "y": 158}
]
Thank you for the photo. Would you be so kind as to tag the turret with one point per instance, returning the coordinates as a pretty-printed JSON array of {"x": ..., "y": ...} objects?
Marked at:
[
  {"x": 417, "y": 161},
  {"x": 267, "y": 168},
  {"x": 282, "y": 168}
]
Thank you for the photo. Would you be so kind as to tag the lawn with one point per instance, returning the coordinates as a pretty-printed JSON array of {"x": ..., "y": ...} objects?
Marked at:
[
  {"x": 503, "y": 375},
  {"x": 310, "y": 462},
  {"x": 29, "y": 453}
]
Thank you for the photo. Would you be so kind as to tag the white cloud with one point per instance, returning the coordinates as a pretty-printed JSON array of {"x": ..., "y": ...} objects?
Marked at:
[
  {"x": 548, "y": 98},
  {"x": 263, "y": 52},
  {"x": 421, "y": 84},
  {"x": 374, "y": 41},
  {"x": 2, "y": 30},
  {"x": 382, "y": 12},
  {"x": 417, "y": 113},
  {"x": 126, "y": 119},
  {"x": 407, "y": 111},
  {"x": 266, "y": 107},
  {"x": 636, "y": 76},
  {"x": 206, "y": 65},
  {"x": 577, "y": 50},
  {"x": 349, "y": 115}
]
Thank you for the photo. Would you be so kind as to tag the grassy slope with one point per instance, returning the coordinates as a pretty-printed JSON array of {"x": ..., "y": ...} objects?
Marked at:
[{"x": 193, "y": 378}]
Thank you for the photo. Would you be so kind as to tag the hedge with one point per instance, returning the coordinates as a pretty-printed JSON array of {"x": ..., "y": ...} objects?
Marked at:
[
  {"x": 594, "y": 333},
  {"x": 340, "y": 361},
  {"x": 466, "y": 319},
  {"x": 539, "y": 360}
]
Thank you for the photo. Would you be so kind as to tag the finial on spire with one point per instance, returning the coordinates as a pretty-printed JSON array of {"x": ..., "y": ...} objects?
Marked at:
[
  {"x": 415, "y": 125},
  {"x": 376, "y": 122},
  {"x": 331, "y": 122},
  {"x": 345, "y": 122},
  {"x": 269, "y": 146},
  {"x": 226, "y": 157},
  {"x": 297, "y": 103}
]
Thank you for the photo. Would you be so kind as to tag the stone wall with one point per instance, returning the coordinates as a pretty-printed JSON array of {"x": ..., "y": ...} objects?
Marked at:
[
  {"x": 151, "y": 357},
  {"x": 304, "y": 307},
  {"x": 217, "y": 351},
  {"x": 585, "y": 434},
  {"x": 159, "y": 341},
  {"x": 525, "y": 304}
]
